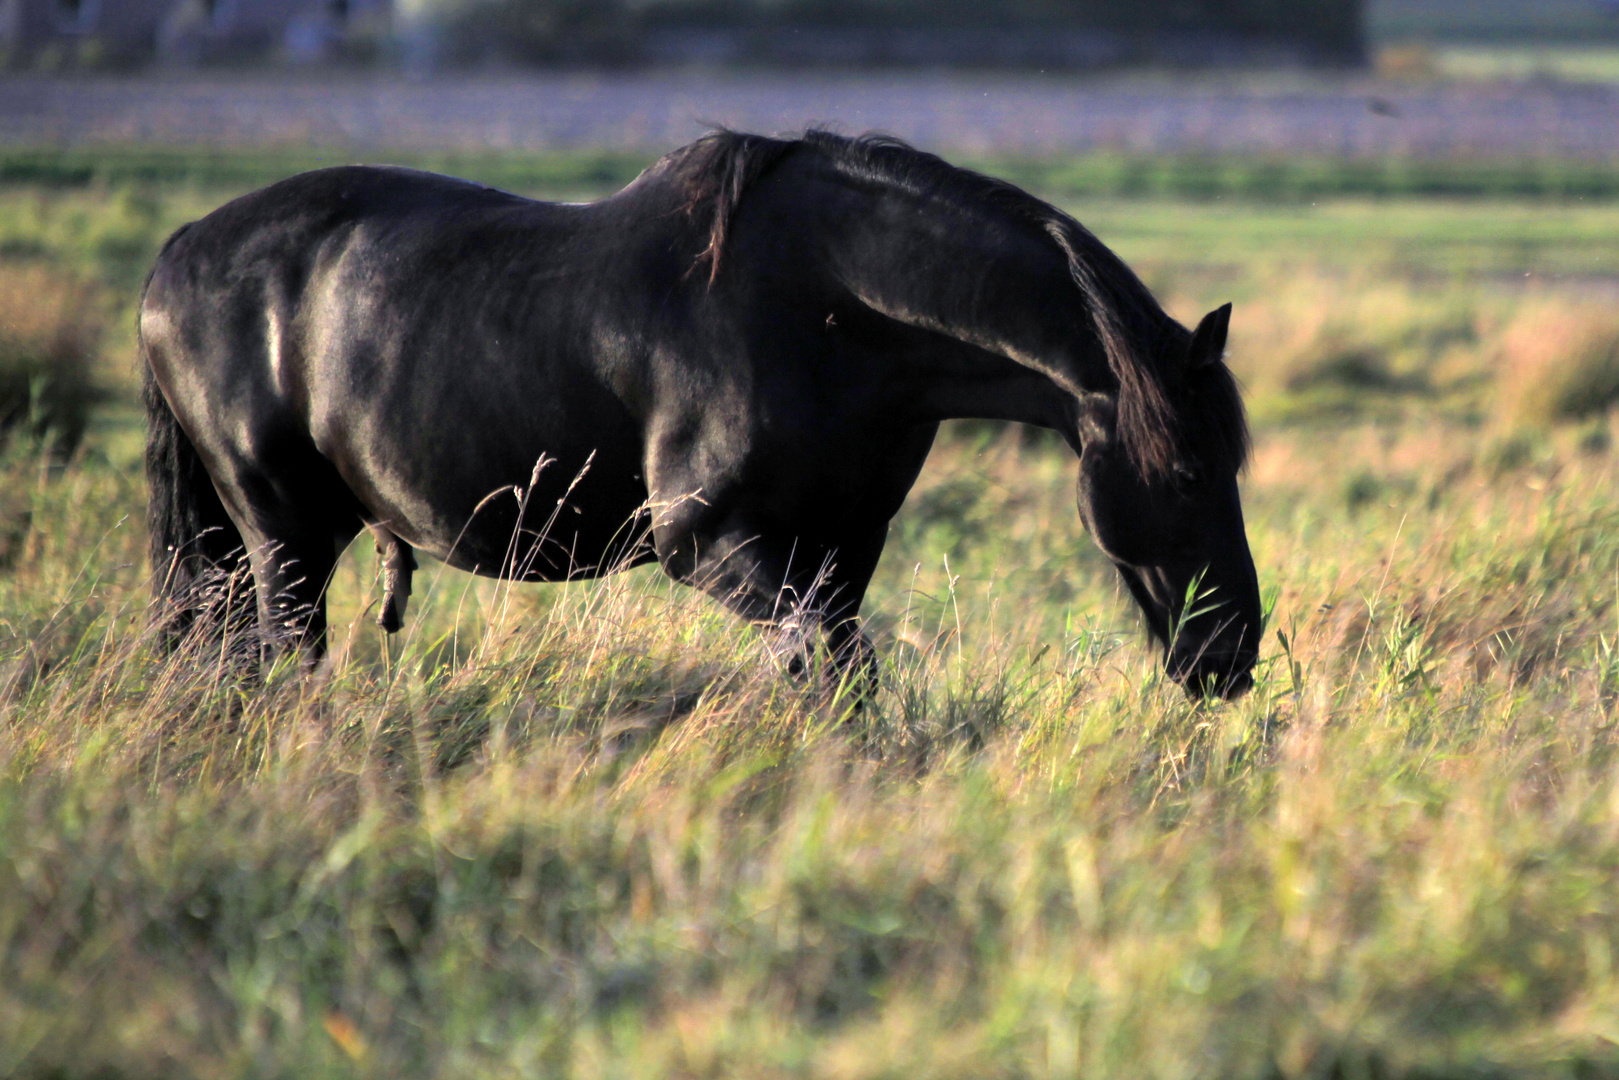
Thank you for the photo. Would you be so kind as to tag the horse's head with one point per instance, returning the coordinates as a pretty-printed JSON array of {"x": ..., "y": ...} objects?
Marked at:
[{"x": 1176, "y": 532}]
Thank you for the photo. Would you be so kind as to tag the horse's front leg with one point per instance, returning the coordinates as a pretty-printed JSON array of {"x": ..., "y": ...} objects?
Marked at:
[
  {"x": 796, "y": 589},
  {"x": 851, "y": 658},
  {"x": 854, "y": 657},
  {"x": 853, "y": 561}
]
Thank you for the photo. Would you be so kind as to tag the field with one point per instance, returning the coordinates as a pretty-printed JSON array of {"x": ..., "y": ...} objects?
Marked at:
[
  {"x": 1423, "y": 105},
  {"x": 591, "y": 831}
]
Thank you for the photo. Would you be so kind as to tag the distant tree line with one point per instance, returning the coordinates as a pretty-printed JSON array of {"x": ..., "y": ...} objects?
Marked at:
[
  {"x": 1047, "y": 34},
  {"x": 1261, "y": 16}
]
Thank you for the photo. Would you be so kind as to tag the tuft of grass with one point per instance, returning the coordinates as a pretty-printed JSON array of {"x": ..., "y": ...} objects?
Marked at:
[
  {"x": 49, "y": 339},
  {"x": 1559, "y": 362}
]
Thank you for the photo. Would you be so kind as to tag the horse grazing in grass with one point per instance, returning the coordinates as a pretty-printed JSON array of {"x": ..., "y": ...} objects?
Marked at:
[{"x": 736, "y": 366}]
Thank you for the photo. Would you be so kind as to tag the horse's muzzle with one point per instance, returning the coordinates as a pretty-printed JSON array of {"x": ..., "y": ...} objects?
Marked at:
[{"x": 1226, "y": 677}]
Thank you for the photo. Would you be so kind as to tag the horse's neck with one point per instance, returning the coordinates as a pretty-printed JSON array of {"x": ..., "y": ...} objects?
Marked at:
[
  {"x": 1001, "y": 290},
  {"x": 990, "y": 282}
]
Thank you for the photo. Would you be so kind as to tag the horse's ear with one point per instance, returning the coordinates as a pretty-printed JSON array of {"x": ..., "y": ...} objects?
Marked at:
[{"x": 1208, "y": 342}]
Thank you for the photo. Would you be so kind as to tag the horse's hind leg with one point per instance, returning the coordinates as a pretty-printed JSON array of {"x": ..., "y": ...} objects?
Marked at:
[
  {"x": 794, "y": 588},
  {"x": 295, "y": 521},
  {"x": 291, "y": 571},
  {"x": 397, "y": 563}
]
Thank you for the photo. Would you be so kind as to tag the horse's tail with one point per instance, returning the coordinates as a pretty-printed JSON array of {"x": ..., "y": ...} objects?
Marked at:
[{"x": 197, "y": 553}]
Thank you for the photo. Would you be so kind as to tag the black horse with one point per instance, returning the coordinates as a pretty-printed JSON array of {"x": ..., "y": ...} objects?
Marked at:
[{"x": 736, "y": 366}]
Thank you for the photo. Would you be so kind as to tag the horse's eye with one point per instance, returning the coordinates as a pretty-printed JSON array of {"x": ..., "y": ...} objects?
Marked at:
[{"x": 1184, "y": 477}]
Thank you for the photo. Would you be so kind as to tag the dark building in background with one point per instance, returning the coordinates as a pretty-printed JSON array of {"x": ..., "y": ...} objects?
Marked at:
[
  {"x": 1035, "y": 34},
  {"x": 1023, "y": 33}
]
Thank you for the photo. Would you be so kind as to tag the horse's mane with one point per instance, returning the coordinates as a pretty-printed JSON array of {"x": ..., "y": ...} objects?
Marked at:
[{"x": 1200, "y": 416}]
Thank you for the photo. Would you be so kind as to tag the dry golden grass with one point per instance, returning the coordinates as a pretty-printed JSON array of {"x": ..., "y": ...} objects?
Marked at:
[
  {"x": 1407, "y": 61},
  {"x": 591, "y": 831},
  {"x": 1558, "y": 361},
  {"x": 49, "y": 344},
  {"x": 1314, "y": 347}
]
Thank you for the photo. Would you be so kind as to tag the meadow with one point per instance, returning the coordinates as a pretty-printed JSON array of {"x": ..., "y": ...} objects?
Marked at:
[{"x": 591, "y": 831}]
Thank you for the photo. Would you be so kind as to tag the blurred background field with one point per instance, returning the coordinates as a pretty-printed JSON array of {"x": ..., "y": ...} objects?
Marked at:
[{"x": 591, "y": 831}]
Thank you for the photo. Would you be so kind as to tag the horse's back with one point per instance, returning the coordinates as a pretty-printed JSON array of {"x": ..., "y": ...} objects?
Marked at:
[
  {"x": 303, "y": 204},
  {"x": 265, "y": 238},
  {"x": 241, "y": 298},
  {"x": 261, "y": 240}
]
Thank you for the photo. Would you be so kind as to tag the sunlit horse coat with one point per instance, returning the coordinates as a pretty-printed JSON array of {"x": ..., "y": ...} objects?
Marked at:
[{"x": 736, "y": 366}]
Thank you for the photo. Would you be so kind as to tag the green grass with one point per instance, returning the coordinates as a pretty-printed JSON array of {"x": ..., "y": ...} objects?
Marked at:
[
  {"x": 1571, "y": 63},
  {"x": 1421, "y": 239},
  {"x": 599, "y": 835},
  {"x": 590, "y": 831},
  {"x": 1269, "y": 179}
]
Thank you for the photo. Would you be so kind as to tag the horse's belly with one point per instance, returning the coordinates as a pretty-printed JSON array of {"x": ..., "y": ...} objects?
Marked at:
[
  {"x": 542, "y": 534},
  {"x": 537, "y": 479}
]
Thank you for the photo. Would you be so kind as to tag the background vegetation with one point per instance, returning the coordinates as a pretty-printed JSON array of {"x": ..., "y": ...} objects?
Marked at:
[
  {"x": 1510, "y": 23},
  {"x": 590, "y": 831}
]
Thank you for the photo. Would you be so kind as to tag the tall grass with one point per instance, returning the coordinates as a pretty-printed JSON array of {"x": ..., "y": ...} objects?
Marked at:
[
  {"x": 590, "y": 830},
  {"x": 1560, "y": 362}
]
